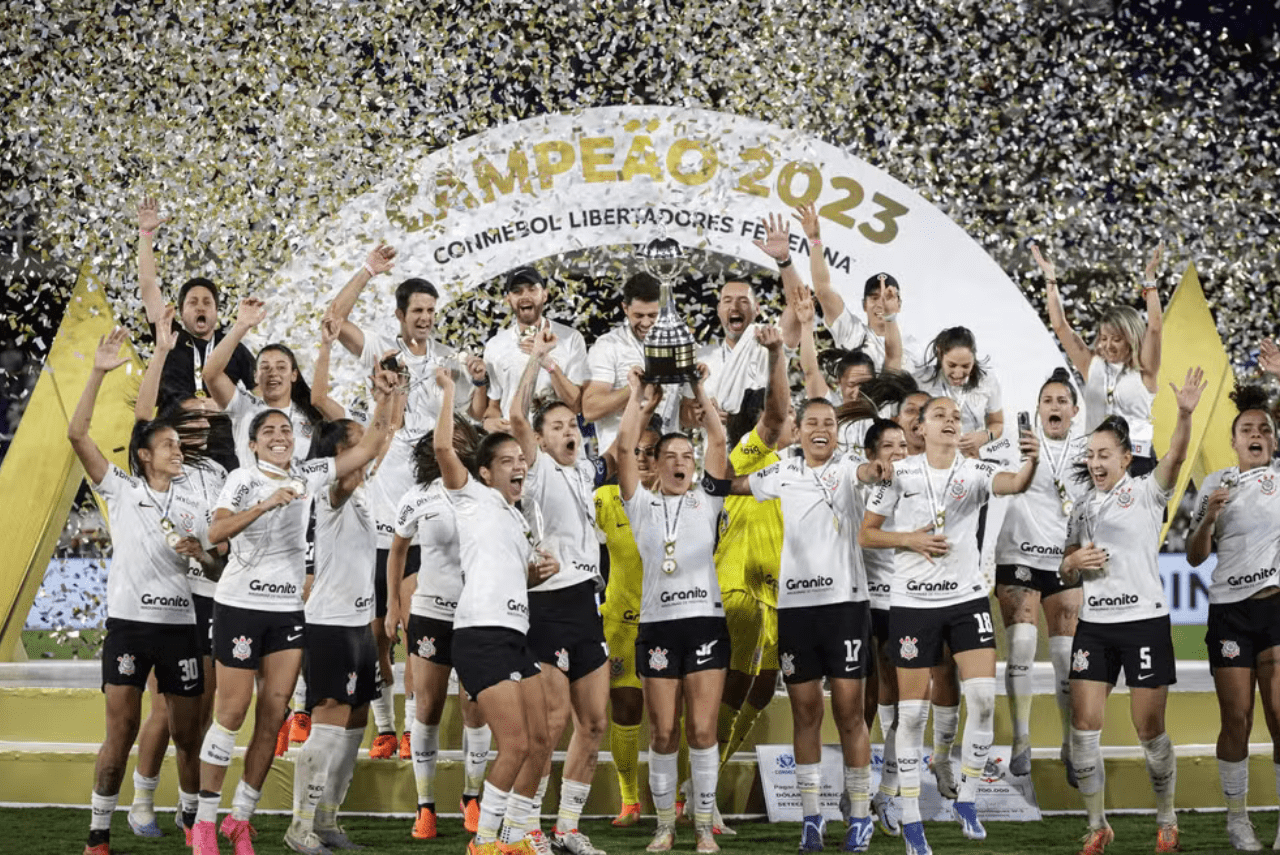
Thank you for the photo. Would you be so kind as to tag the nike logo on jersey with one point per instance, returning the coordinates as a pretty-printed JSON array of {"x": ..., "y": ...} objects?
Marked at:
[
  {"x": 293, "y": 637},
  {"x": 145, "y": 505},
  {"x": 906, "y": 495},
  {"x": 431, "y": 516}
]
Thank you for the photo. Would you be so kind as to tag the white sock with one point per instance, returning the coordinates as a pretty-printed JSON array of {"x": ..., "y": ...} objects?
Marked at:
[
  {"x": 517, "y": 819},
  {"x": 979, "y": 730},
  {"x": 809, "y": 782},
  {"x": 207, "y": 807},
  {"x": 704, "y": 767},
  {"x": 889, "y": 729},
  {"x": 300, "y": 694},
  {"x": 475, "y": 749},
  {"x": 910, "y": 745},
  {"x": 573, "y": 798},
  {"x": 541, "y": 793},
  {"x": 338, "y": 777},
  {"x": 382, "y": 710},
  {"x": 1162, "y": 766},
  {"x": 322, "y": 748},
  {"x": 662, "y": 785},
  {"x": 244, "y": 802},
  {"x": 1021, "y": 638},
  {"x": 425, "y": 742},
  {"x": 1060, "y": 656},
  {"x": 1091, "y": 774},
  {"x": 144, "y": 796},
  {"x": 945, "y": 720},
  {"x": 187, "y": 803},
  {"x": 101, "y": 810},
  {"x": 493, "y": 808},
  {"x": 410, "y": 711},
  {"x": 1234, "y": 775},
  {"x": 857, "y": 786}
]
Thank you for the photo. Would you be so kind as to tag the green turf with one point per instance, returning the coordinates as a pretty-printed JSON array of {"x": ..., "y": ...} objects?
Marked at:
[
  {"x": 1188, "y": 642},
  {"x": 61, "y": 644},
  {"x": 45, "y": 831}
]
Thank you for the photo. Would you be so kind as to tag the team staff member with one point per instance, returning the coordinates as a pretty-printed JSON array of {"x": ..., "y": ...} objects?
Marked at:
[
  {"x": 683, "y": 644},
  {"x": 1028, "y": 553},
  {"x": 157, "y": 526},
  {"x": 1113, "y": 537},
  {"x": 1238, "y": 513},
  {"x": 939, "y": 597},
  {"x": 491, "y": 622},
  {"x": 258, "y": 623}
]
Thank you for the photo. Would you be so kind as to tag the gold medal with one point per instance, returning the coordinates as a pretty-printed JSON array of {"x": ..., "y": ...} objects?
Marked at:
[
  {"x": 835, "y": 522},
  {"x": 298, "y": 486},
  {"x": 171, "y": 535},
  {"x": 939, "y": 520},
  {"x": 1067, "y": 506},
  {"x": 668, "y": 566}
]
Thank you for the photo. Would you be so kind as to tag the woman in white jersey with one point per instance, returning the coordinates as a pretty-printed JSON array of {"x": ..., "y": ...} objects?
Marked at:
[
  {"x": 1121, "y": 368},
  {"x": 281, "y": 386},
  {"x": 1113, "y": 537},
  {"x": 499, "y": 564},
  {"x": 1238, "y": 514},
  {"x": 682, "y": 649},
  {"x": 426, "y": 520},
  {"x": 939, "y": 597},
  {"x": 1028, "y": 553},
  {"x": 258, "y": 622},
  {"x": 953, "y": 370},
  {"x": 157, "y": 527}
]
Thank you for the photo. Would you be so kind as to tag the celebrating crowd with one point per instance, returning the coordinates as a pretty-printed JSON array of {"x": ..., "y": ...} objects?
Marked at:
[{"x": 273, "y": 546}]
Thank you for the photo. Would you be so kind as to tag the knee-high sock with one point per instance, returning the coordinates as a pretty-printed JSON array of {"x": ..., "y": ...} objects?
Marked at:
[
  {"x": 979, "y": 730},
  {"x": 573, "y": 798},
  {"x": 383, "y": 709},
  {"x": 410, "y": 711},
  {"x": 493, "y": 809},
  {"x": 910, "y": 744},
  {"x": 704, "y": 766},
  {"x": 102, "y": 808},
  {"x": 144, "y": 796},
  {"x": 742, "y": 727},
  {"x": 889, "y": 730},
  {"x": 1234, "y": 776},
  {"x": 244, "y": 802},
  {"x": 857, "y": 786},
  {"x": 300, "y": 694},
  {"x": 809, "y": 783},
  {"x": 515, "y": 823},
  {"x": 1091, "y": 775},
  {"x": 1162, "y": 767},
  {"x": 476, "y": 742},
  {"x": 424, "y": 739},
  {"x": 624, "y": 744},
  {"x": 1060, "y": 656},
  {"x": 1017, "y": 681},
  {"x": 321, "y": 749},
  {"x": 337, "y": 778},
  {"x": 945, "y": 720},
  {"x": 682, "y": 759},
  {"x": 663, "y": 773}
]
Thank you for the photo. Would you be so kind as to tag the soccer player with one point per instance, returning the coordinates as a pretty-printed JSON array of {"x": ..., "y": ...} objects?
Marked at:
[{"x": 954, "y": 371}]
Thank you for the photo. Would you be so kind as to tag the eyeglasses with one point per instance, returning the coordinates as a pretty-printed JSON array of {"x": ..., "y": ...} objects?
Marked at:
[{"x": 647, "y": 451}]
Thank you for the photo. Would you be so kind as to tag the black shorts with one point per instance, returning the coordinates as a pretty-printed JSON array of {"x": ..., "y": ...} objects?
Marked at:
[
  {"x": 412, "y": 561},
  {"x": 1238, "y": 632},
  {"x": 431, "y": 639},
  {"x": 673, "y": 648},
  {"x": 133, "y": 648},
  {"x": 565, "y": 630},
  {"x": 341, "y": 664},
  {"x": 487, "y": 655},
  {"x": 241, "y": 637},
  {"x": 839, "y": 649},
  {"x": 880, "y": 626},
  {"x": 1144, "y": 648},
  {"x": 1045, "y": 582},
  {"x": 916, "y": 635},
  {"x": 204, "y": 623}
]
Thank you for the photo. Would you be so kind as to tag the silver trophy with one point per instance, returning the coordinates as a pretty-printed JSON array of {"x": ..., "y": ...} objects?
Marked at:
[{"x": 669, "y": 347}]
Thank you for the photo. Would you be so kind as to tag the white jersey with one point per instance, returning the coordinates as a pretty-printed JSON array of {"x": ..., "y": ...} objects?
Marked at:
[
  {"x": 494, "y": 545},
  {"x": 243, "y": 407},
  {"x": 342, "y": 591},
  {"x": 203, "y": 483},
  {"x": 821, "y": 565},
  {"x": 1247, "y": 532},
  {"x": 1129, "y": 397},
  {"x": 879, "y": 563},
  {"x": 850, "y": 332},
  {"x": 975, "y": 404},
  {"x": 950, "y": 500},
  {"x": 147, "y": 581},
  {"x": 688, "y": 587},
  {"x": 427, "y": 518},
  {"x": 1034, "y": 533},
  {"x": 610, "y": 361},
  {"x": 559, "y": 504},
  {"x": 505, "y": 362},
  {"x": 394, "y": 475},
  {"x": 1126, "y": 522},
  {"x": 267, "y": 565}
]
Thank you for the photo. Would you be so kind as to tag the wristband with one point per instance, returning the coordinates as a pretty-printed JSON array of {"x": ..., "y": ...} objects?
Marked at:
[
  {"x": 146, "y": 233},
  {"x": 481, "y": 383},
  {"x": 816, "y": 242},
  {"x": 1149, "y": 288},
  {"x": 784, "y": 263},
  {"x": 369, "y": 270}
]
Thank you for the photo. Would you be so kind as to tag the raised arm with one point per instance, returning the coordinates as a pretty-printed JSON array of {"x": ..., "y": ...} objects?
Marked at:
[
  {"x": 106, "y": 358},
  {"x": 521, "y": 429},
  {"x": 631, "y": 428},
  {"x": 452, "y": 471},
  {"x": 815, "y": 383},
  {"x": 1008, "y": 483},
  {"x": 221, "y": 387},
  {"x": 1193, "y": 386},
  {"x": 1200, "y": 544},
  {"x": 831, "y": 301},
  {"x": 478, "y": 372},
  {"x": 149, "y": 222},
  {"x": 716, "y": 454},
  {"x": 144, "y": 408},
  {"x": 777, "y": 245},
  {"x": 1151, "y": 338},
  {"x": 379, "y": 260},
  {"x": 330, "y": 327},
  {"x": 777, "y": 399},
  {"x": 1077, "y": 351},
  {"x": 389, "y": 398}
]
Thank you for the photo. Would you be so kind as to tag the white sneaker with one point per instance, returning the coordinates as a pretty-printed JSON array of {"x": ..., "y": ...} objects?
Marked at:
[
  {"x": 1241, "y": 833},
  {"x": 304, "y": 842},
  {"x": 574, "y": 842},
  {"x": 539, "y": 842},
  {"x": 664, "y": 837},
  {"x": 717, "y": 824}
]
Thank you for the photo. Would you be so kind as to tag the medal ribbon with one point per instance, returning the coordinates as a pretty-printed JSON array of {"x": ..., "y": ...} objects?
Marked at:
[{"x": 939, "y": 505}]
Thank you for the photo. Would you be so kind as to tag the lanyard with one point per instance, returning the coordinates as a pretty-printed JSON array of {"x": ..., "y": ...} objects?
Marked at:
[
  {"x": 827, "y": 496},
  {"x": 296, "y": 483},
  {"x": 588, "y": 509},
  {"x": 197, "y": 365},
  {"x": 1091, "y": 525},
  {"x": 171, "y": 535},
  {"x": 669, "y": 530},
  {"x": 936, "y": 502},
  {"x": 1112, "y": 381},
  {"x": 1058, "y": 468}
]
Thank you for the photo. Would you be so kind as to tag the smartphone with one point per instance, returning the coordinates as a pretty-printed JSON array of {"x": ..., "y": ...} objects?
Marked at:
[{"x": 1024, "y": 422}]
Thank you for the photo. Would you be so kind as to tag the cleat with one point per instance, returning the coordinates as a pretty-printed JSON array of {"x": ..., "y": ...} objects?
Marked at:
[
  {"x": 1095, "y": 842},
  {"x": 100, "y": 849},
  {"x": 299, "y": 727},
  {"x": 574, "y": 842},
  {"x": 424, "y": 826},
  {"x": 1167, "y": 838},
  {"x": 1241, "y": 833},
  {"x": 707, "y": 841},
  {"x": 520, "y": 847},
  {"x": 240, "y": 833},
  {"x": 304, "y": 842},
  {"x": 490, "y": 848},
  {"x": 383, "y": 747},
  {"x": 282, "y": 738},
  {"x": 858, "y": 837},
  {"x": 811, "y": 833},
  {"x": 335, "y": 839},
  {"x": 1020, "y": 763},
  {"x": 1065, "y": 756},
  {"x": 536, "y": 842},
  {"x": 970, "y": 825},
  {"x": 718, "y": 825},
  {"x": 664, "y": 837},
  {"x": 913, "y": 836},
  {"x": 945, "y": 776},
  {"x": 149, "y": 828},
  {"x": 470, "y": 813},
  {"x": 628, "y": 816},
  {"x": 888, "y": 814},
  {"x": 204, "y": 839},
  {"x": 406, "y": 752}
]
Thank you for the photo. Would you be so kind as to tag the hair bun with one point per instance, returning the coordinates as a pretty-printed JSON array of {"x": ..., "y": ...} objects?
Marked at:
[
  {"x": 1119, "y": 424},
  {"x": 1060, "y": 375},
  {"x": 1249, "y": 396}
]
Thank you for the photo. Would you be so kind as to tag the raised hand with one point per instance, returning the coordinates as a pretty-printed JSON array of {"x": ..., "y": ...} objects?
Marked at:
[
  {"x": 543, "y": 341},
  {"x": 1192, "y": 388},
  {"x": 807, "y": 216},
  {"x": 166, "y": 335},
  {"x": 476, "y": 368},
  {"x": 1269, "y": 357},
  {"x": 770, "y": 337},
  {"x": 444, "y": 377},
  {"x": 1046, "y": 266},
  {"x": 380, "y": 259},
  {"x": 1149, "y": 272},
  {"x": 107, "y": 357},
  {"x": 1029, "y": 445},
  {"x": 777, "y": 236},
  {"x": 252, "y": 312},
  {"x": 149, "y": 218},
  {"x": 804, "y": 309},
  {"x": 330, "y": 326},
  {"x": 635, "y": 379}
]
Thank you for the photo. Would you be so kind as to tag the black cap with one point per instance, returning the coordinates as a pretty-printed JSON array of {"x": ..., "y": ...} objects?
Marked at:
[
  {"x": 875, "y": 283},
  {"x": 525, "y": 274}
]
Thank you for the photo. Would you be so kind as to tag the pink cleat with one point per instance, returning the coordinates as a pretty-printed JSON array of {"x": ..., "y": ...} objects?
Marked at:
[
  {"x": 204, "y": 839},
  {"x": 240, "y": 833}
]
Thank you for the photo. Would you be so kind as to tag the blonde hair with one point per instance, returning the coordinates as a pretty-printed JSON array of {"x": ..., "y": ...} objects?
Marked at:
[{"x": 1130, "y": 325}]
